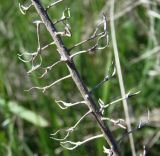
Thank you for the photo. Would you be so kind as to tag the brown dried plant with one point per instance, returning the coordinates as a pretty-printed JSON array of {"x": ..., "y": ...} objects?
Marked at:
[{"x": 99, "y": 36}]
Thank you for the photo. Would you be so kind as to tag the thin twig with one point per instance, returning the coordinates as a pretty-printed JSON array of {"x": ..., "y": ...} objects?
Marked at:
[
  {"x": 106, "y": 78},
  {"x": 119, "y": 122},
  {"x": 23, "y": 9},
  {"x": 53, "y": 4},
  {"x": 69, "y": 130},
  {"x": 128, "y": 95},
  {"x": 94, "y": 47},
  {"x": 64, "y": 17},
  {"x": 95, "y": 35},
  {"x": 76, "y": 144},
  {"x": 65, "y": 105},
  {"x": 139, "y": 126},
  {"x": 34, "y": 53},
  {"x": 46, "y": 87},
  {"x": 47, "y": 69}
]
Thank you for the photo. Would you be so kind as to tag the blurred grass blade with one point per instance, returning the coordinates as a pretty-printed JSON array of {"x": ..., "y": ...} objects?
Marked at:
[{"x": 24, "y": 113}]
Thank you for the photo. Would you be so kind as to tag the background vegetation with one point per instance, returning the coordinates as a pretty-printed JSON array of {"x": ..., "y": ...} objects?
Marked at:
[{"x": 138, "y": 35}]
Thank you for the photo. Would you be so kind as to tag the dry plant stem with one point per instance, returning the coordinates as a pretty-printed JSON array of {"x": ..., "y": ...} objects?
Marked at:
[
  {"x": 76, "y": 76},
  {"x": 52, "y": 84},
  {"x": 53, "y": 4},
  {"x": 76, "y": 144},
  {"x": 120, "y": 78}
]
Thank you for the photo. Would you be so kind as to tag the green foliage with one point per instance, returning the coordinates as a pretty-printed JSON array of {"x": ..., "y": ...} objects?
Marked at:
[{"x": 23, "y": 113}]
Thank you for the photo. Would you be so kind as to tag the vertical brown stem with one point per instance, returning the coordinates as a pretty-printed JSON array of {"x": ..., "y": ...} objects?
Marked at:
[{"x": 76, "y": 76}]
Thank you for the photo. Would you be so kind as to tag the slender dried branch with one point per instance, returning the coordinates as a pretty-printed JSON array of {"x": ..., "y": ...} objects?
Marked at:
[
  {"x": 69, "y": 130},
  {"x": 46, "y": 87},
  {"x": 120, "y": 78},
  {"x": 61, "y": 139},
  {"x": 76, "y": 144},
  {"x": 23, "y": 9},
  {"x": 95, "y": 47},
  {"x": 98, "y": 36},
  {"x": 139, "y": 126},
  {"x": 95, "y": 33},
  {"x": 128, "y": 95},
  {"x": 65, "y": 105},
  {"x": 66, "y": 31},
  {"x": 35, "y": 67},
  {"x": 47, "y": 69},
  {"x": 32, "y": 55},
  {"x": 107, "y": 78},
  {"x": 92, "y": 49},
  {"x": 53, "y": 4},
  {"x": 119, "y": 122},
  {"x": 65, "y": 16},
  {"x": 81, "y": 119},
  {"x": 38, "y": 33}
]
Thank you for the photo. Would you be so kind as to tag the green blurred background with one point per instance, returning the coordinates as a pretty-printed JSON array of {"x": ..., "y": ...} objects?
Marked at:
[{"x": 28, "y": 118}]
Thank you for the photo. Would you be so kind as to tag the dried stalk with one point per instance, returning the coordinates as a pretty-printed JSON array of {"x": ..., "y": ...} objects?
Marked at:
[
  {"x": 64, "y": 53},
  {"x": 120, "y": 78}
]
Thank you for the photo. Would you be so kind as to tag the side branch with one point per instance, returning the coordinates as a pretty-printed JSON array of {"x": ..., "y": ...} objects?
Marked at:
[{"x": 52, "y": 84}]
